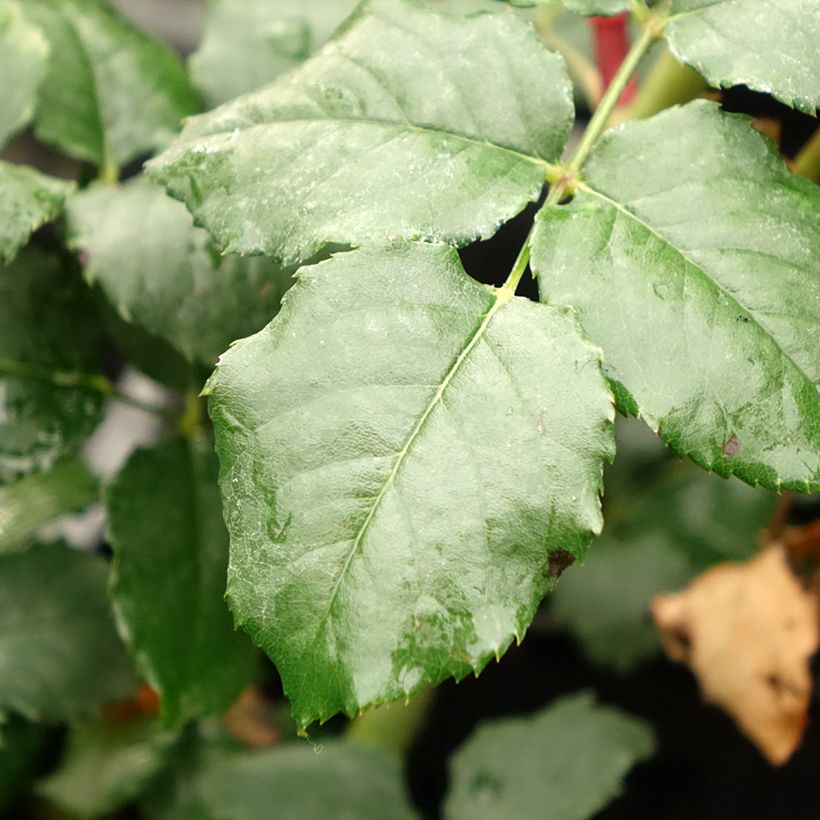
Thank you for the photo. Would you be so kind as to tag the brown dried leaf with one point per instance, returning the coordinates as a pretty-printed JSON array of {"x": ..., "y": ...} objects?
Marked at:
[
  {"x": 251, "y": 721},
  {"x": 747, "y": 631}
]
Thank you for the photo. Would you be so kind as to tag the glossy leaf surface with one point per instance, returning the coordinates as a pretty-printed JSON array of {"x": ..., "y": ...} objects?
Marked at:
[
  {"x": 163, "y": 273},
  {"x": 170, "y": 545},
  {"x": 247, "y": 43},
  {"x": 111, "y": 92},
  {"x": 695, "y": 266},
  {"x": 107, "y": 764},
  {"x": 566, "y": 762},
  {"x": 60, "y": 657},
  {"x": 29, "y": 503},
  {"x": 408, "y": 459},
  {"x": 768, "y": 45},
  {"x": 339, "y": 779},
  {"x": 28, "y": 199},
  {"x": 42, "y": 418},
  {"x": 23, "y": 58},
  {"x": 407, "y": 124}
]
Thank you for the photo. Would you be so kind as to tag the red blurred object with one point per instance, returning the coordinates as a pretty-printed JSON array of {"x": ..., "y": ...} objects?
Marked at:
[{"x": 611, "y": 47}]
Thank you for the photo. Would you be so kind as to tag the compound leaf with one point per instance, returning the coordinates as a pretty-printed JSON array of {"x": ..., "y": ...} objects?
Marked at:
[
  {"x": 768, "y": 45},
  {"x": 60, "y": 657},
  {"x": 704, "y": 291},
  {"x": 163, "y": 273},
  {"x": 170, "y": 545},
  {"x": 408, "y": 459},
  {"x": 48, "y": 402},
  {"x": 111, "y": 92},
  {"x": 566, "y": 762},
  {"x": 23, "y": 60},
  {"x": 408, "y": 123},
  {"x": 28, "y": 199}
]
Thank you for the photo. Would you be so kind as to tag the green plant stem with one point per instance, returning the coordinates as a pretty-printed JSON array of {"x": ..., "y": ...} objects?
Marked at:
[
  {"x": 564, "y": 181},
  {"x": 88, "y": 381},
  {"x": 600, "y": 118},
  {"x": 392, "y": 727},
  {"x": 807, "y": 162}
]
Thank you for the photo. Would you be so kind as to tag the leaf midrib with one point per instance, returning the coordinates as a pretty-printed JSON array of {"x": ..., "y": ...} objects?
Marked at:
[
  {"x": 549, "y": 167},
  {"x": 704, "y": 273},
  {"x": 502, "y": 297}
]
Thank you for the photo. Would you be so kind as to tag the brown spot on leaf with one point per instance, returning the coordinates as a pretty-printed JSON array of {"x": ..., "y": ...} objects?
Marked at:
[
  {"x": 559, "y": 560},
  {"x": 732, "y": 447}
]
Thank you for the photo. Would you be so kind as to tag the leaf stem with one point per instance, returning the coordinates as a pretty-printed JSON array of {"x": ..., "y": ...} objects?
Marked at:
[
  {"x": 565, "y": 179},
  {"x": 599, "y": 120},
  {"x": 96, "y": 382}
]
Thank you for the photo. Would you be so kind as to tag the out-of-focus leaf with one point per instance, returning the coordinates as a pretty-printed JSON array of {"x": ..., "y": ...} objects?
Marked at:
[
  {"x": 164, "y": 521},
  {"x": 49, "y": 344},
  {"x": 23, "y": 59},
  {"x": 111, "y": 92},
  {"x": 107, "y": 765},
  {"x": 161, "y": 272},
  {"x": 21, "y": 746},
  {"x": 564, "y": 763},
  {"x": 247, "y": 43},
  {"x": 28, "y": 199},
  {"x": 29, "y": 503},
  {"x": 665, "y": 522},
  {"x": 340, "y": 779},
  {"x": 60, "y": 657}
]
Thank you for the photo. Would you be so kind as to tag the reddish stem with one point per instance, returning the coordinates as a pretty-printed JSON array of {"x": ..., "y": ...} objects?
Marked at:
[{"x": 611, "y": 47}]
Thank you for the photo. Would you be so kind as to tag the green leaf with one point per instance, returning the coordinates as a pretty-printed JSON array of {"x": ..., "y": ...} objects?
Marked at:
[
  {"x": 48, "y": 402},
  {"x": 407, "y": 458},
  {"x": 28, "y": 199},
  {"x": 29, "y": 503},
  {"x": 247, "y": 43},
  {"x": 60, "y": 658},
  {"x": 107, "y": 765},
  {"x": 664, "y": 526},
  {"x": 23, "y": 59},
  {"x": 112, "y": 93},
  {"x": 21, "y": 748},
  {"x": 768, "y": 45},
  {"x": 161, "y": 272},
  {"x": 339, "y": 779},
  {"x": 563, "y": 763},
  {"x": 407, "y": 124},
  {"x": 691, "y": 254},
  {"x": 165, "y": 526},
  {"x": 148, "y": 353}
]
